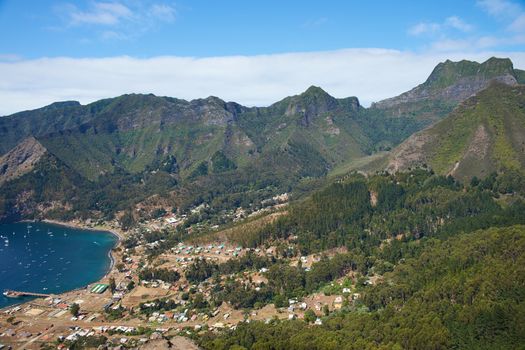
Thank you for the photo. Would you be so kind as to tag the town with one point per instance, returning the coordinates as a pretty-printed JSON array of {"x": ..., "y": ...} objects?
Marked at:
[{"x": 156, "y": 293}]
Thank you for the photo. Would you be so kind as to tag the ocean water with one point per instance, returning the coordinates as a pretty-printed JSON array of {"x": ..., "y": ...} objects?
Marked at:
[{"x": 47, "y": 258}]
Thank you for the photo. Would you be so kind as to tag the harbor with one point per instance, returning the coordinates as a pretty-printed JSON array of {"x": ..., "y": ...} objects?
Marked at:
[{"x": 46, "y": 259}]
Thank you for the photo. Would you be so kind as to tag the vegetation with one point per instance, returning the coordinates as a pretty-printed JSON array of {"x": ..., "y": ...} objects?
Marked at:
[
  {"x": 150, "y": 274},
  {"x": 87, "y": 342},
  {"x": 437, "y": 261},
  {"x": 408, "y": 206},
  {"x": 74, "y": 309},
  {"x": 484, "y": 134},
  {"x": 464, "y": 292}
]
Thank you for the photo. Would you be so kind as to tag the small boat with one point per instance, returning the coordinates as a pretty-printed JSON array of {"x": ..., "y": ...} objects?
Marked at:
[{"x": 10, "y": 294}]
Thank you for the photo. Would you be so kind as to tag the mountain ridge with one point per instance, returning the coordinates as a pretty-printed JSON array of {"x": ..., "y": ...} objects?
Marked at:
[
  {"x": 218, "y": 148},
  {"x": 485, "y": 134},
  {"x": 457, "y": 81}
]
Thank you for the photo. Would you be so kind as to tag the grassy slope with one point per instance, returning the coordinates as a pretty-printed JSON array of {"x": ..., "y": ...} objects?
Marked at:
[{"x": 499, "y": 109}]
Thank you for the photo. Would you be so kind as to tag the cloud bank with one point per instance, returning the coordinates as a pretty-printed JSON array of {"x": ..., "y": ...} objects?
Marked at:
[{"x": 369, "y": 74}]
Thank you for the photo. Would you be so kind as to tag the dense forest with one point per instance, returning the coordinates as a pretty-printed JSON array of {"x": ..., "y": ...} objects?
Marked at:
[
  {"x": 359, "y": 212},
  {"x": 463, "y": 292}
]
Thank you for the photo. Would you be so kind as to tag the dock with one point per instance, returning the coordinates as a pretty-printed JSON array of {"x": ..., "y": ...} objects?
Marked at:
[{"x": 17, "y": 294}]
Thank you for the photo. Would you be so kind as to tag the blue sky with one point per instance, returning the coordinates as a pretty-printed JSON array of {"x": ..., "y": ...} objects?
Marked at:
[
  {"x": 253, "y": 52},
  {"x": 220, "y": 28}
]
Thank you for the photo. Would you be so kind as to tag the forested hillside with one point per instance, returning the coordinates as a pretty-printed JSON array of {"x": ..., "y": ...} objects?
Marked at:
[
  {"x": 360, "y": 212},
  {"x": 465, "y": 292}
]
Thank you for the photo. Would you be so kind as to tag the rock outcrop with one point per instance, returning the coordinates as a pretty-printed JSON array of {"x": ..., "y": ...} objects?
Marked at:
[{"x": 21, "y": 159}]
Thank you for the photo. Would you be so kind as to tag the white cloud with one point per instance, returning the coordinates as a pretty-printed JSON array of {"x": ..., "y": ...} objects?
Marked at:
[
  {"x": 424, "y": 28},
  {"x": 510, "y": 12},
  {"x": 457, "y": 23},
  {"x": 452, "y": 22},
  {"x": 465, "y": 38},
  {"x": 163, "y": 12},
  {"x": 100, "y": 13},
  {"x": 518, "y": 25},
  {"x": 500, "y": 7},
  {"x": 370, "y": 74},
  {"x": 116, "y": 20}
]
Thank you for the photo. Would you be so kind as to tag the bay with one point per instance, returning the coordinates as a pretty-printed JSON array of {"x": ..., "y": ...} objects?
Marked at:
[{"x": 51, "y": 259}]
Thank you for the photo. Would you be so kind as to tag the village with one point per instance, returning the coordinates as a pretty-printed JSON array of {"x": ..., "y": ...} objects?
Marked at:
[
  {"x": 131, "y": 310},
  {"x": 149, "y": 296}
]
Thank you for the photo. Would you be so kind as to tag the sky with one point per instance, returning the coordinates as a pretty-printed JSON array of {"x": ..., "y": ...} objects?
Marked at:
[{"x": 252, "y": 52}]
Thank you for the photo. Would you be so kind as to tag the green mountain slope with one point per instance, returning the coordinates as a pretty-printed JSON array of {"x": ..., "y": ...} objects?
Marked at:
[
  {"x": 212, "y": 150},
  {"x": 443, "y": 263},
  {"x": 208, "y": 145},
  {"x": 485, "y": 134},
  {"x": 449, "y": 84},
  {"x": 134, "y": 131},
  {"x": 462, "y": 293}
]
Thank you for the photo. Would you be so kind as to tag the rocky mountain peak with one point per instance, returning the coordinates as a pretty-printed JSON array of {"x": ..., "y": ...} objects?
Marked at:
[
  {"x": 453, "y": 82},
  {"x": 448, "y": 73},
  {"x": 311, "y": 103}
]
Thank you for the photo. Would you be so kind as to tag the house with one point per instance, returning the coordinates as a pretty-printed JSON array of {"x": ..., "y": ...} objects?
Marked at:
[
  {"x": 338, "y": 302},
  {"x": 171, "y": 220}
]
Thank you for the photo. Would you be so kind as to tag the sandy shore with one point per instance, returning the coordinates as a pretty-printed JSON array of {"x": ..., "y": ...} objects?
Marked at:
[{"x": 73, "y": 224}]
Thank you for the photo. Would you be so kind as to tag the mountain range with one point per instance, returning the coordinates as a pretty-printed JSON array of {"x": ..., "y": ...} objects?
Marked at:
[
  {"x": 485, "y": 134},
  {"x": 69, "y": 160}
]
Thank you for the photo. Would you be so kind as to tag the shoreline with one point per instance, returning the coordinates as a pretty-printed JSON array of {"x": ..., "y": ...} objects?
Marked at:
[
  {"x": 70, "y": 224},
  {"x": 78, "y": 226}
]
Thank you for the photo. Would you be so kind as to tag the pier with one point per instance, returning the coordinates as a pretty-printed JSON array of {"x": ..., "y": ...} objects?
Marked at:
[{"x": 17, "y": 294}]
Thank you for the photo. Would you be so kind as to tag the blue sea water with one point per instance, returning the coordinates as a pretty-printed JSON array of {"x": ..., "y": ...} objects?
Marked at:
[{"x": 46, "y": 258}]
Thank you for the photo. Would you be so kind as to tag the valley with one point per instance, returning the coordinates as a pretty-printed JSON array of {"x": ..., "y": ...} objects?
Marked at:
[{"x": 313, "y": 223}]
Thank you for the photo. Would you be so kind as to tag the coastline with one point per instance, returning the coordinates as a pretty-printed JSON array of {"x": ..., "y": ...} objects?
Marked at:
[
  {"x": 119, "y": 237},
  {"x": 73, "y": 224}
]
